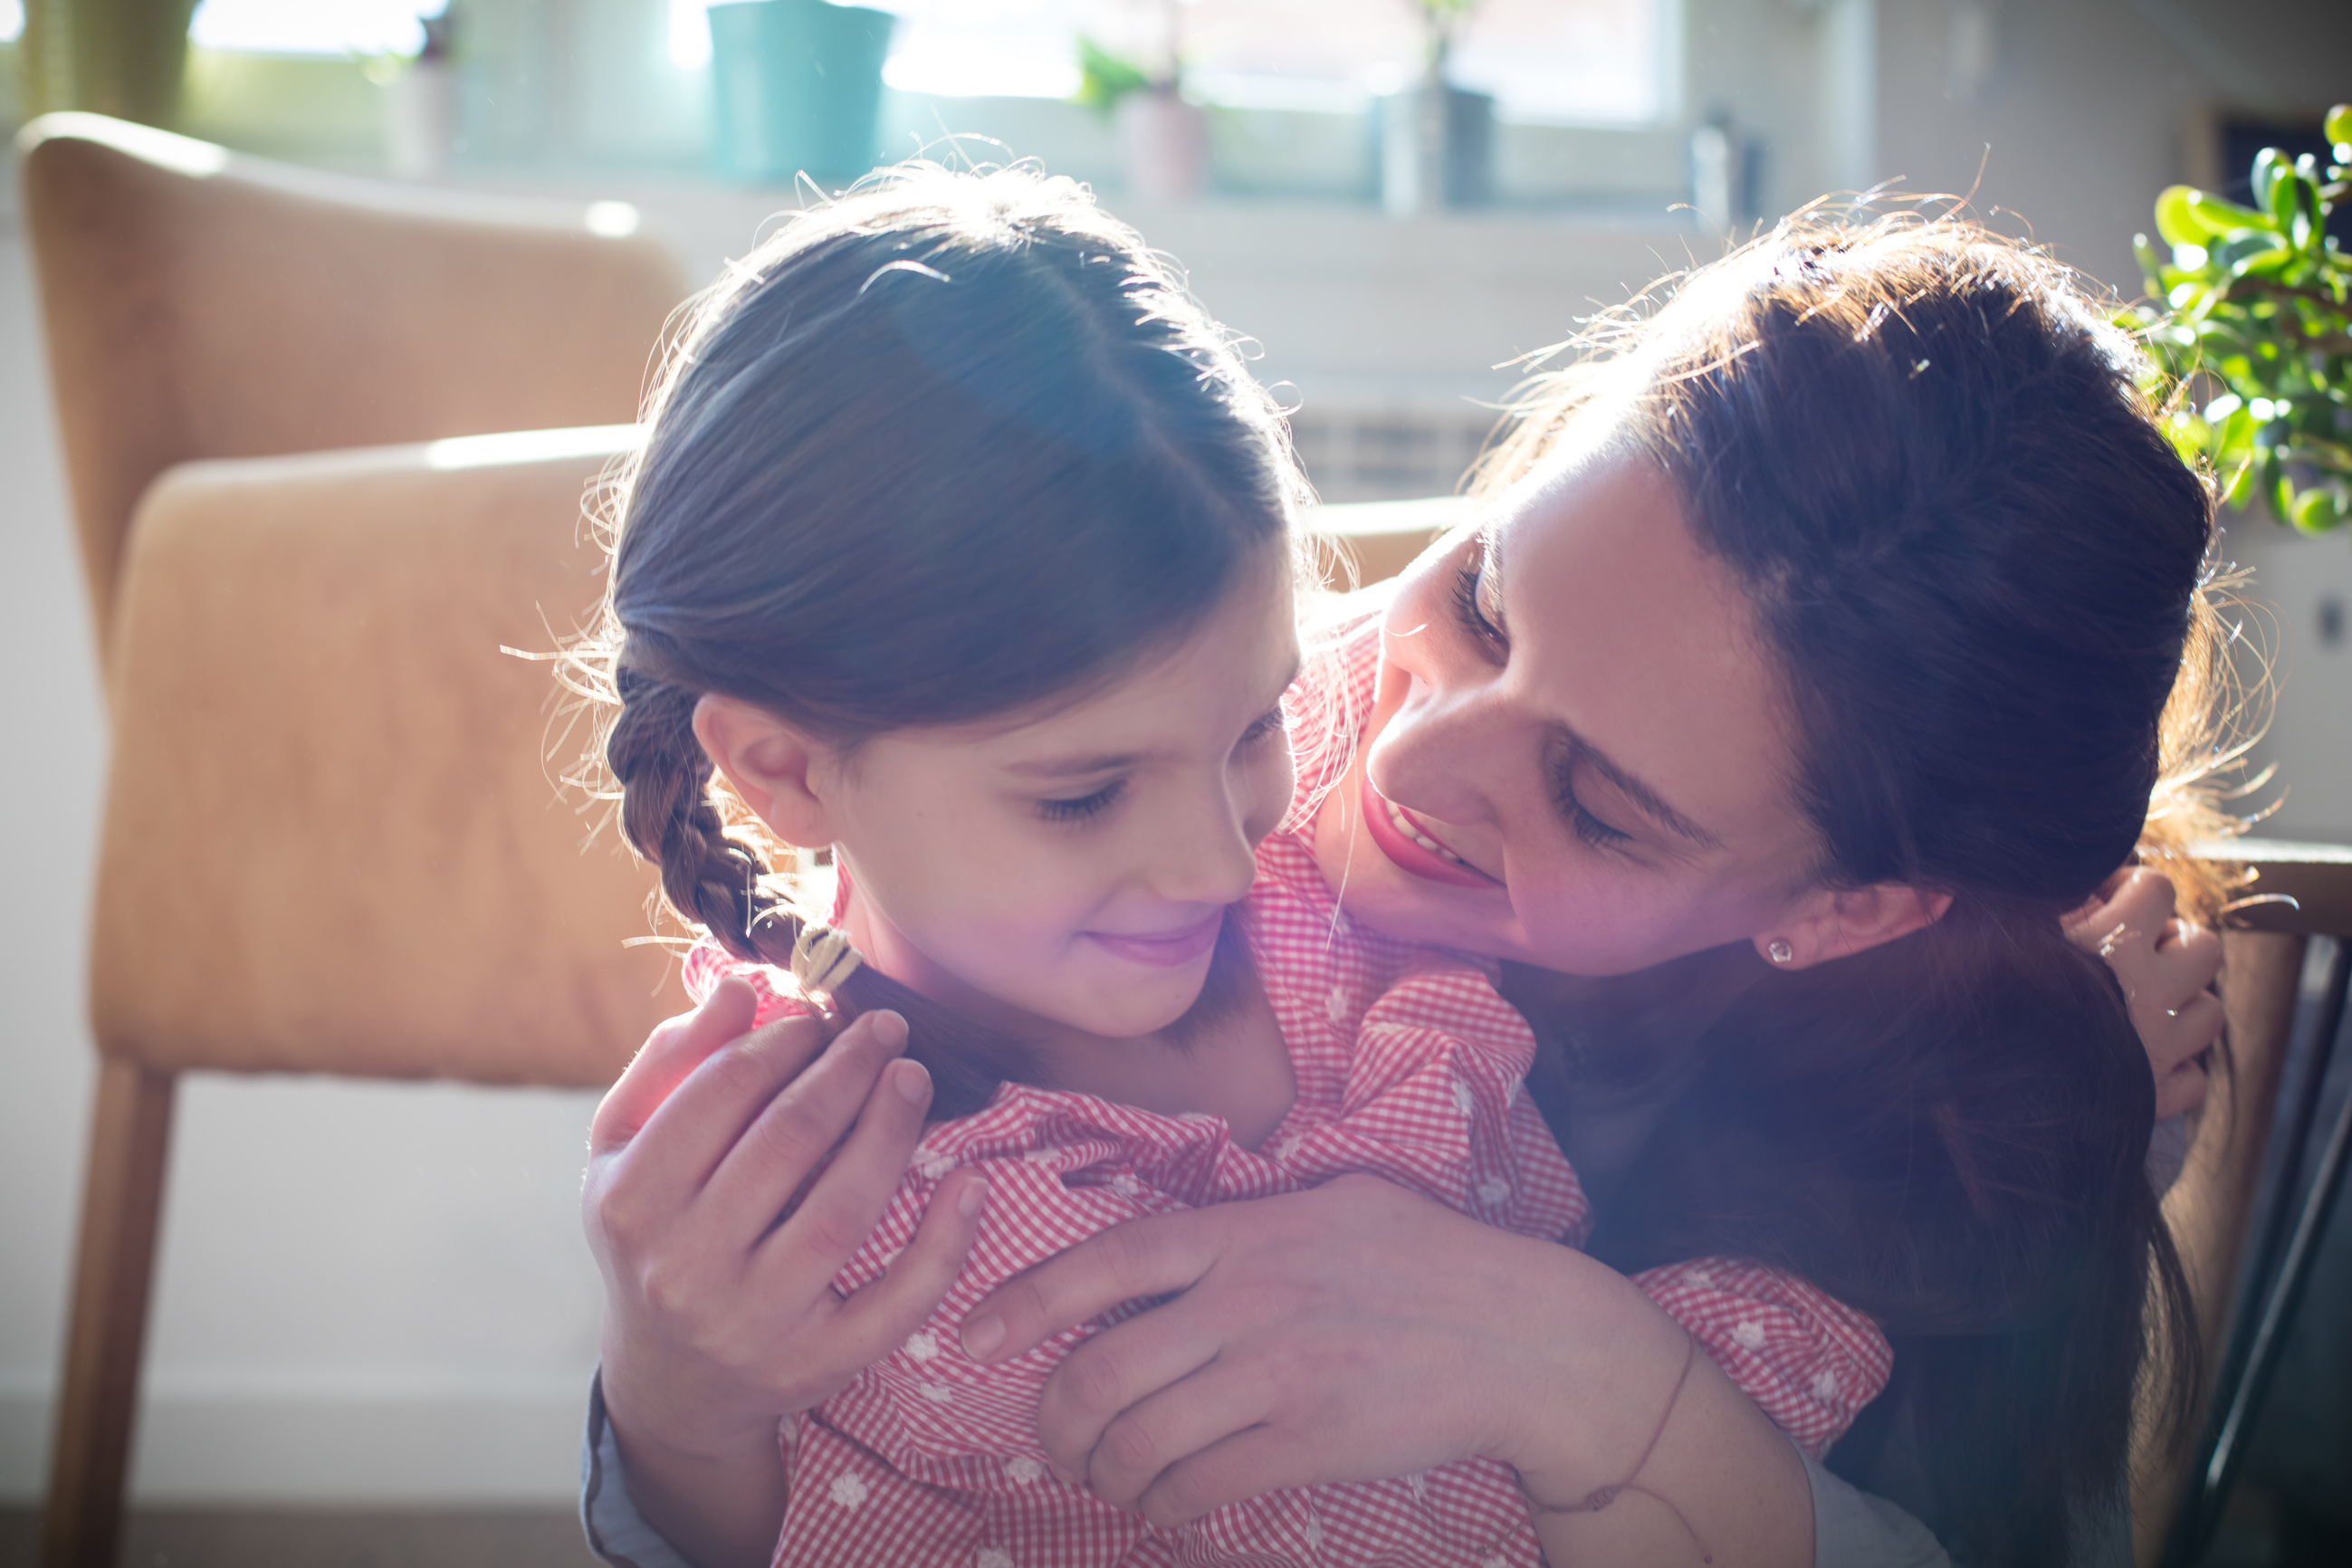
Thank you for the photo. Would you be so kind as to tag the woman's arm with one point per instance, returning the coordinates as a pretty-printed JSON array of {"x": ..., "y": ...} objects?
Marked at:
[
  {"x": 719, "y": 1321},
  {"x": 1356, "y": 1331}
]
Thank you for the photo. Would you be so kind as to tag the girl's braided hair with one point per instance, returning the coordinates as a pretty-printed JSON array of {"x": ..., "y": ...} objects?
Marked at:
[{"x": 944, "y": 448}]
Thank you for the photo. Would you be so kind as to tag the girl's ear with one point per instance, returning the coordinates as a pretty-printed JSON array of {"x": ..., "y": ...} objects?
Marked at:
[
  {"x": 779, "y": 771},
  {"x": 1835, "y": 922}
]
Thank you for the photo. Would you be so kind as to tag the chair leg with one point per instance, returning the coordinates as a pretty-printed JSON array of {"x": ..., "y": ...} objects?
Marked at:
[{"x": 123, "y": 1200}]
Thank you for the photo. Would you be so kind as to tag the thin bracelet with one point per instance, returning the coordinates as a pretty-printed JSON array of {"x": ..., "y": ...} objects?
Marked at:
[{"x": 1601, "y": 1498}]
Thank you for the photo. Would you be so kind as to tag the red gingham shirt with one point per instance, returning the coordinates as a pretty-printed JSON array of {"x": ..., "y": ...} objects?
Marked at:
[{"x": 1409, "y": 1066}]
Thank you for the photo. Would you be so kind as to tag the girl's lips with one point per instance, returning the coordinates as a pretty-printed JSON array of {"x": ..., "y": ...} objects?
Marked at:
[
  {"x": 1166, "y": 950},
  {"x": 1398, "y": 835}
]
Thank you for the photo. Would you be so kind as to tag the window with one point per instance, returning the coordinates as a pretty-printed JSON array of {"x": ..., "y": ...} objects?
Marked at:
[
  {"x": 1591, "y": 62},
  {"x": 312, "y": 27}
]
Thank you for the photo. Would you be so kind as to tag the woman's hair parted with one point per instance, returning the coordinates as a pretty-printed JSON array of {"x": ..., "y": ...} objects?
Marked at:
[
  {"x": 943, "y": 448},
  {"x": 1935, "y": 469}
]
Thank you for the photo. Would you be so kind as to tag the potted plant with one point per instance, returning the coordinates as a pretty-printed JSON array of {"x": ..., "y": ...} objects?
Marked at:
[
  {"x": 1436, "y": 142},
  {"x": 2255, "y": 323},
  {"x": 125, "y": 59},
  {"x": 1163, "y": 141}
]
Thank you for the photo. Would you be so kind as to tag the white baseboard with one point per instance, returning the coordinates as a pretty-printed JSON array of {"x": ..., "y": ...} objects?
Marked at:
[{"x": 322, "y": 1441}]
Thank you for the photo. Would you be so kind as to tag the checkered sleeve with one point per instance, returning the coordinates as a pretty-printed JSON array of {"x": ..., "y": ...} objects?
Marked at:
[
  {"x": 708, "y": 964},
  {"x": 1808, "y": 1360}
]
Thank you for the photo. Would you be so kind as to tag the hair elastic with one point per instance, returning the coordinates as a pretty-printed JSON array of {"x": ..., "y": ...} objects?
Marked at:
[{"x": 822, "y": 959}]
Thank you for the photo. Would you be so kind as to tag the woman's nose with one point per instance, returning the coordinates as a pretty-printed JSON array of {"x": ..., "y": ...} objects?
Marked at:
[{"x": 1442, "y": 747}]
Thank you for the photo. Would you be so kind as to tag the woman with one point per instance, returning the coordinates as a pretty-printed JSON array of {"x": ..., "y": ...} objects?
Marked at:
[{"x": 1811, "y": 658}]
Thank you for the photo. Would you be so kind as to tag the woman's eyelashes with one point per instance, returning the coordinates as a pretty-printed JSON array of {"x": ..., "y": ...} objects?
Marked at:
[
  {"x": 1581, "y": 821},
  {"x": 1469, "y": 581}
]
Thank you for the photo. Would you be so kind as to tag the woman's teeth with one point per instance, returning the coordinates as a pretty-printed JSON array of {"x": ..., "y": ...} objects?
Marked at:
[{"x": 1404, "y": 824}]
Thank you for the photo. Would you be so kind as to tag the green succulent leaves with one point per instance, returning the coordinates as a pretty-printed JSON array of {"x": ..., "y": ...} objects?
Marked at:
[{"x": 2252, "y": 313}]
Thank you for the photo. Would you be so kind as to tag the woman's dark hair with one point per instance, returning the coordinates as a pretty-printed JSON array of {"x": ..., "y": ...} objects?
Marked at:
[
  {"x": 948, "y": 447},
  {"x": 1929, "y": 461}
]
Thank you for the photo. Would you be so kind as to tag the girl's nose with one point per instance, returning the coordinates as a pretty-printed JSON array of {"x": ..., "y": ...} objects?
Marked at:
[{"x": 1210, "y": 859}]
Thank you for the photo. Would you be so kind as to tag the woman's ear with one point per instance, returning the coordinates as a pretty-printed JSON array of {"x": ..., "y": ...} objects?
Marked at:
[
  {"x": 778, "y": 771},
  {"x": 1835, "y": 922}
]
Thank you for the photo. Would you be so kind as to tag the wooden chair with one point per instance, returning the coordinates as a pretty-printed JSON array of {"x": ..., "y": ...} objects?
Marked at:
[
  {"x": 2247, "y": 1224},
  {"x": 333, "y": 839}
]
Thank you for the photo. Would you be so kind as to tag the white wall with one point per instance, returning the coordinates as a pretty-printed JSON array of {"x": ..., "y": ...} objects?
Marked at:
[{"x": 379, "y": 1292}]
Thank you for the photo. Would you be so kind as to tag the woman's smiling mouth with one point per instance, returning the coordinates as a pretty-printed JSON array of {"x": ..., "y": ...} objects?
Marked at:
[
  {"x": 1166, "y": 948},
  {"x": 1400, "y": 836}
]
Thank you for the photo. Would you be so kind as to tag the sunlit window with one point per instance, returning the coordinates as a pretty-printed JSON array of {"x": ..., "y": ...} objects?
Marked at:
[
  {"x": 312, "y": 27},
  {"x": 1562, "y": 61}
]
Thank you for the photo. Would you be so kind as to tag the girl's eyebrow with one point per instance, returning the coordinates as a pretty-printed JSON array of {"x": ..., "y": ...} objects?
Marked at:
[
  {"x": 1076, "y": 767},
  {"x": 1111, "y": 762}
]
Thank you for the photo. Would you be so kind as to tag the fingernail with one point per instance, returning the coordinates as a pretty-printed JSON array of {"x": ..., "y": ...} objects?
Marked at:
[
  {"x": 889, "y": 1029},
  {"x": 981, "y": 1335},
  {"x": 1068, "y": 1478},
  {"x": 974, "y": 1193},
  {"x": 913, "y": 1084}
]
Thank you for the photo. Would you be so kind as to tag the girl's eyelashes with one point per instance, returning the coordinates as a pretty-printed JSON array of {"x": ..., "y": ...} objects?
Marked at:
[
  {"x": 1272, "y": 721},
  {"x": 1084, "y": 807},
  {"x": 1468, "y": 579},
  {"x": 1581, "y": 821}
]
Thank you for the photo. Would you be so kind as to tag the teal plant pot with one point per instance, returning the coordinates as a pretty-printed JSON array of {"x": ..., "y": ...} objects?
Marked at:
[{"x": 795, "y": 86}]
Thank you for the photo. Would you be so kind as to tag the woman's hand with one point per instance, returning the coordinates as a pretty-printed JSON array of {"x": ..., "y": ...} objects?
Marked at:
[
  {"x": 1356, "y": 1331},
  {"x": 2167, "y": 966},
  {"x": 719, "y": 1321}
]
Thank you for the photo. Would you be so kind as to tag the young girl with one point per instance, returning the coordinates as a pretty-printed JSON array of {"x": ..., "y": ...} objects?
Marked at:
[{"x": 960, "y": 545}]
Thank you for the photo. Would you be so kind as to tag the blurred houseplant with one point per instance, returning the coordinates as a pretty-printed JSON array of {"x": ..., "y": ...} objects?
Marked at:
[
  {"x": 1163, "y": 141},
  {"x": 2257, "y": 322},
  {"x": 122, "y": 58}
]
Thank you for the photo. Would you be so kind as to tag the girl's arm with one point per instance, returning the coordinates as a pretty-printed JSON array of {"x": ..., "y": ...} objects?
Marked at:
[
  {"x": 720, "y": 1322},
  {"x": 1356, "y": 1332},
  {"x": 2166, "y": 967}
]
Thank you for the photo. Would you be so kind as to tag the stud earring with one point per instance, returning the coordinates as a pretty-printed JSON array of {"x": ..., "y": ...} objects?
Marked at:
[{"x": 1779, "y": 952}]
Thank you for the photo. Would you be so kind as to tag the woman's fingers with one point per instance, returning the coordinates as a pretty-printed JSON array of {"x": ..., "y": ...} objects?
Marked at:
[
  {"x": 701, "y": 1127},
  {"x": 878, "y": 1318},
  {"x": 1148, "y": 1257},
  {"x": 1183, "y": 1420},
  {"x": 676, "y": 1047},
  {"x": 2181, "y": 1091},
  {"x": 1115, "y": 1371},
  {"x": 1253, "y": 1460},
  {"x": 789, "y": 1130}
]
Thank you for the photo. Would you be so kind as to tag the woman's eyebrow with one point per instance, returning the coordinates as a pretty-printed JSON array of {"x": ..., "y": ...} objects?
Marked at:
[
  {"x": 1490, "y": 546},
  {"x": 1652, "y": 804}
]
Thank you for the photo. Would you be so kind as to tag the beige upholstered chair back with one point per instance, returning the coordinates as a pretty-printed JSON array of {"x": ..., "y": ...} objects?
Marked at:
[{"x": 203, "y": 305}]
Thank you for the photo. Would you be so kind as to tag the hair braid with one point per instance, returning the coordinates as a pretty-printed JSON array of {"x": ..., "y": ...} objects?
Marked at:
[
  {"x": 668, "y": 816},
  {"x": 719, "y": 882}
]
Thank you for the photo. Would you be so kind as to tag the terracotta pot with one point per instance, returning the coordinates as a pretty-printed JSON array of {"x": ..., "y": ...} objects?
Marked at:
[{"x": 1163, "y": 145}]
